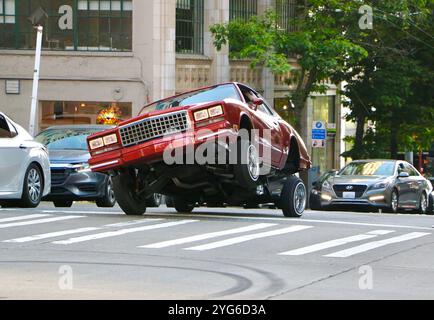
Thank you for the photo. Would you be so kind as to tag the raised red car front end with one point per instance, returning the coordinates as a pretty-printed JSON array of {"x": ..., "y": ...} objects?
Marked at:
[{"x": 144, "y": 139}]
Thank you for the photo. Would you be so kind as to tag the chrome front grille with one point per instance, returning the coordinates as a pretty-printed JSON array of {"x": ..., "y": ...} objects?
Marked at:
[{"x": 153, "y": 127}]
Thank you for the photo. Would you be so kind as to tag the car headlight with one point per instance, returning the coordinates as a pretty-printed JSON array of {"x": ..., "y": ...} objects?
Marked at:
[
  {"x": 326, "y": 185},
  {"x": 380, "y": 185},
  {"x": 201, "y": 115},
  {"x": 110, "y": 139},
  {"x": 82, "y": 167},
  {"x": 215, "y": 111},
  {"x": 96, "y": 143}
]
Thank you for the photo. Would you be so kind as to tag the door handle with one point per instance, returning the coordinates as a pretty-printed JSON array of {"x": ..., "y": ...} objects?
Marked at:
[{"x": 22, "y": 146}]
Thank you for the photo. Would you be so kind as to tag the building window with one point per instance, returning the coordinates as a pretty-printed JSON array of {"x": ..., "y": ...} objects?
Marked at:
[
  {"x": 80, "y": 112},
  {"x": 189, "y": 26},
  {"x": 90, "y": 25},
  {"x": 286, "y": 14},
  {"x": 242, "y": 9}
]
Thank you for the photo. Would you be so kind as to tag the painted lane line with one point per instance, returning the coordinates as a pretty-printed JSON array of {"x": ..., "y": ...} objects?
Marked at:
[
  {"x": 51, "y": 235},
  {"x": 380, "y": 232},
  {"x": 205, "y": 236},
  {"x": 81, "y": 212},
  {"x": 27, "y": 223},
  {"x": 27, "y": 217},
  {"x": 122, "y": 232},
  {"x": 376, "y": 244},
  {"x": 130, "y": 223},
  {"x": 334, "y": 243},
  {"x": 236, "y": 240}
]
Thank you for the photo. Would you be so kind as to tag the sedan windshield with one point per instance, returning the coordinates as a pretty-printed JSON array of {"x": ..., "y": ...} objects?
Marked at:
[
  {"x": 65, "y": 139},
  {"x": 218, "y": 93},
  {"x": 371, "y": 168}
]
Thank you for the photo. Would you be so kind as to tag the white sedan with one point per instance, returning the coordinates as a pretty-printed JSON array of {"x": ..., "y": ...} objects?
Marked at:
[{"x": 24, "y": 167}]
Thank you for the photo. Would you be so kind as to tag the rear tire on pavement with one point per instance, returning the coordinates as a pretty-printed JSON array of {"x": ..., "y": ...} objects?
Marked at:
[
  {"x": 293, "y": 197},
  {"x": 129, "y": 201},
  {"x": 182, "y": 205}
]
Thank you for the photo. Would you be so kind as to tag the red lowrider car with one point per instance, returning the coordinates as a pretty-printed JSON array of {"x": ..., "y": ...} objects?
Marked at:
[{"x": 217, "y": 145}]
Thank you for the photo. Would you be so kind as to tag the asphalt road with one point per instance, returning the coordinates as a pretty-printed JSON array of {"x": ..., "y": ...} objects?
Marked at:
[{"x": 85, "y": 252}]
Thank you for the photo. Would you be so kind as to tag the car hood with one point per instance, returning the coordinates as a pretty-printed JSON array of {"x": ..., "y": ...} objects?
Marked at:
[
  {"x": 68, "y": 156},
  {"x": 368, "y": 180}
]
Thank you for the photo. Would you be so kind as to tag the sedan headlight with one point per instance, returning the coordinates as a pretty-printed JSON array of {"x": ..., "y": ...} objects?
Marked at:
[
  {"x": 110, "y": 139},
  {"x": 380, "y": 185},
  {"x": 96, "y": 143},
  {"x": 201, "y": 115},
  {"x": 82, "y": 167},
  {"x": 326, "y": 185},
  {"x": 215, "y": 111}
]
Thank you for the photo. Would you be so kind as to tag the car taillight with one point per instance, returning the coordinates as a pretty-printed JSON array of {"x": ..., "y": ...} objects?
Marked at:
[{"x": 208, "y": 113}]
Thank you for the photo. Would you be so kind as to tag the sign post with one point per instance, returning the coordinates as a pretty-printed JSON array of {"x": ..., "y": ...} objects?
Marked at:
[
  {"x": 33, "y": 108},
  {"x": 319, "y": 134}
]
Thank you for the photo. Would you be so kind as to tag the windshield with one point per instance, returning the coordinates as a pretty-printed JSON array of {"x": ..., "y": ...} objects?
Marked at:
[
  {"x": 372, "y": 168},
  {"x": 227, "y": 91},
  {"x": 65, "y": 138}
]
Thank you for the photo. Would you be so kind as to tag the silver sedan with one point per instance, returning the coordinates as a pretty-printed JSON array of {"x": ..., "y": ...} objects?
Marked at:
[
  {"x": 24, "y": 167},
  {"x": 390, "y": 185}
]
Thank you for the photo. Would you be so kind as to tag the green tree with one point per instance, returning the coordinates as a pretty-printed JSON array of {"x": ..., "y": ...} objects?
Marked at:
[{"x": 319, "y": 44}]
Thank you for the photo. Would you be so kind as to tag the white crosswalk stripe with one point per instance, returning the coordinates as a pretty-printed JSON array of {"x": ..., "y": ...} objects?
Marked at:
[
  {"x": 123, "y": 232},
  {"x": 38, "y": 221},
  {"x": 51, "y": 235},
  {"x": 27, "y": 217},
  {"x": 376, "y": 244},
  {"x": 205, "y": 236},
  {"x": 240, "y": 239},
  {"x": 334, "y": 243}
]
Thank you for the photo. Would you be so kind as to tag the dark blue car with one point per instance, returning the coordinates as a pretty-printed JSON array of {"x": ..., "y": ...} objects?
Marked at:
[{"x": 71, "y": 177}]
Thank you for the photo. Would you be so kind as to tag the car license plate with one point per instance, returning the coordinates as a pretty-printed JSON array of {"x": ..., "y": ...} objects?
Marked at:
[{"x": 349, "y": 195}]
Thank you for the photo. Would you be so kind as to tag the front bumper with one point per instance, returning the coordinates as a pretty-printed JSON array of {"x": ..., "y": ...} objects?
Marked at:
[
  {"x": 153, "y": 150},
  {"x": 77, "y": 186},
  {"x": 376, "y": 199}
]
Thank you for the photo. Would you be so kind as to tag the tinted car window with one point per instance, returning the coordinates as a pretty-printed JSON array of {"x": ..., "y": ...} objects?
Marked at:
[
  {"x": 4, "y": 128},
  {"x": 218, "y": 93},
  {"x": 372, "y": 168},
  {"x": 409, "y": 169},
  {"x": 61, "y": 139}
]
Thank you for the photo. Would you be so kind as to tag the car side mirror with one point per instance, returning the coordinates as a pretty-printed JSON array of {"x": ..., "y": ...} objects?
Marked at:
[
  {"x": 403, "y": 175},
  {"x": 257, "y": 101}
]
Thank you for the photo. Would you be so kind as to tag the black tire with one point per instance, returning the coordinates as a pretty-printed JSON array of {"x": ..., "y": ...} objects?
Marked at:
[
  {"x": 131, "y": 203},
  {"x": 393, "y": 208},
  {"x": 63, "y": 203},
  {"x": 246, "y": 170},
  {"x": 314, "y": 203},
  {"x": 430, "y": 205},
  {"x": 33, "y": 187},
  {"x": 109, "y": 199},
  {"x": 169, "y": 201},
  {"x": 293, "y": 197},
  {"x": 423, "y": 204},
  {"x": 182, "y": 205},
  {"x": 154, "y": 201}
]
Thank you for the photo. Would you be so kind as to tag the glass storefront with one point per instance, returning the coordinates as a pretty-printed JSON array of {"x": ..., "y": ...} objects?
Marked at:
[
  {"x": 324, "y": 109},
  {"x": 87, "y": 25},
  {"x": 53, "y": 113}
]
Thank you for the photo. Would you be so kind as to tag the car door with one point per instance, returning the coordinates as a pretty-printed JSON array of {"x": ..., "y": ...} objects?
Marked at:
[
  {"x": 404, "y": 186},
  {"x": 270, "y": 133},
  {"x": 13, "y": 155},
  {"x": 417, "y": 184}
]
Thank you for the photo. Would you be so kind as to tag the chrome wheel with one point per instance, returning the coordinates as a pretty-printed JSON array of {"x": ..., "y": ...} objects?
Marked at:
[
  {"x": 394, "y": 201},
  {"x": 110, "y": 191},
  {"x": 300, "y": 198},
  {"x": 423, "y": 203},
  {"x": 34, "y": 185},
  {"x": 253, "y": 162}
]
